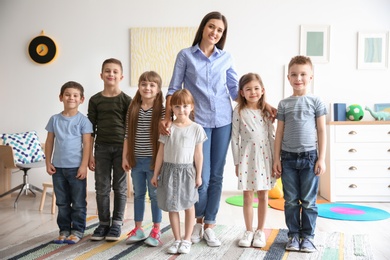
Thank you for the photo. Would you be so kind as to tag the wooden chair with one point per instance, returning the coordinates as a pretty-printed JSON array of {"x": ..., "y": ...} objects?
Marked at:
[
  {"x": 7, "y": 157},
  {"x": 47, "y": 185}
]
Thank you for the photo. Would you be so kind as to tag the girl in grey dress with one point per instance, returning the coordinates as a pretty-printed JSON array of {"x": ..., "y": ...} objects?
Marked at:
[{"x": 177, "y": 172}]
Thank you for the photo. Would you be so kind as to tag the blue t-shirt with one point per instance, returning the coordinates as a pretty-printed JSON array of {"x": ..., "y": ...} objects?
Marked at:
[{"x": 68, "y": 139}]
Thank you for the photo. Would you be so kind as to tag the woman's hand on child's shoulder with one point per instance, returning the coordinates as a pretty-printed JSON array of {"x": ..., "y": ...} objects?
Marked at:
[{"x": 165, "y": 126}]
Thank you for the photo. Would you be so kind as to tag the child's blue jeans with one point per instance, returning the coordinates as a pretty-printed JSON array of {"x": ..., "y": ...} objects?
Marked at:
[
  {"x": 141, "y": 175},
  {"x": 300, "y": 188},
  {"x": 71, "y": 201}
]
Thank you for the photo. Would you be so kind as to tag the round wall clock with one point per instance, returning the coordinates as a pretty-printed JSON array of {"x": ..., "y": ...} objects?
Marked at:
[{"x": 42, "y": 49}]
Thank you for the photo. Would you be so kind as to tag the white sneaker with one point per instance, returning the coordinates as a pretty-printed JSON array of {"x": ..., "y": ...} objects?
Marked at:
[
  {"x": 210, "y": 238},
  {"x": 185, "y": 247},
  {"x": 197, "y": 233},
  {"x": 246, "y": 240},
  {"x": 259, "y": 239},
  {"x": 174, "y": 248}
]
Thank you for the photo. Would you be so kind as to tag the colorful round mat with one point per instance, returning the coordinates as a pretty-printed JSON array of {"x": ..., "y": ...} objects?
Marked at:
[
  {"x": 273, "y": 203},
  {"x": 239, "y": 201},
  {"x": 351, "y": 212},
  {"x": 279, "y": 203}
]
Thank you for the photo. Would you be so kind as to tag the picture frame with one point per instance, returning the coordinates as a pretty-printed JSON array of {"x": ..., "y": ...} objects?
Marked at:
[
  {"x": 372, "y": 50},
  {"x": 287, "y": 89},
  {"x": 315, "y": 42},
  {"x": 382, "y": 107}
]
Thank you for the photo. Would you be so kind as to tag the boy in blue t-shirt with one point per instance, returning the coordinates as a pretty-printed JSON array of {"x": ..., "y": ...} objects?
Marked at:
[{"x": 70, "y": 133}]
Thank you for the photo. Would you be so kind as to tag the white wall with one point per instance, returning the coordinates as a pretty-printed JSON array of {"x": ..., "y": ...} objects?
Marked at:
[{"x": 263, "y": 35}]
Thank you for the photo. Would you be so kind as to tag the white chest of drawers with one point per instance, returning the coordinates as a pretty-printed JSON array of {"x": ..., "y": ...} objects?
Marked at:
[{"x": 358, "y": 162}]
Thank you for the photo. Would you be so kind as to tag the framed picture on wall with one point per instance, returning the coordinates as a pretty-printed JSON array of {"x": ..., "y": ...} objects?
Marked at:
[
  {"x": 314, "y": 42},
  {"x": 372, "y": 50}
]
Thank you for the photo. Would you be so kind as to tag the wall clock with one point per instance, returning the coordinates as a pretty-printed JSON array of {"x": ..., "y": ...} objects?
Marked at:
[{"x": 42, "y": 49}]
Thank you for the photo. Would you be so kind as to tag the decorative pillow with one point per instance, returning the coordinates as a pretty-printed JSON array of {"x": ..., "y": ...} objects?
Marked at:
[{"x": 26, "y": 146}]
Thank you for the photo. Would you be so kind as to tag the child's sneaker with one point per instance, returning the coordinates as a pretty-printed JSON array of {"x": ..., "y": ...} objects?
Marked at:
[
  {"x": 246, "y": 239},
  {"x": 174, "y": 248},
  {"x": 259, "y": 239},
  {"x": 292, "y": 244},
  {"x": 100, "y": 232},
  {"x": 307, "y": 246},
  {"x": 185, "y": 247},
  {"x": 154, "y": 237},
  {"x": 137, "y": 234},
  {"x": 197, "y": 233},
  {"x": 72, "y": 239},
  {"x": 60, "y": 239},
  {"x": 114, "y": 233}
]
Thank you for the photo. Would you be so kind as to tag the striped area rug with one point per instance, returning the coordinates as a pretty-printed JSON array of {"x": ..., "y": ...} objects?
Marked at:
[{"x": 330, "y": 246}]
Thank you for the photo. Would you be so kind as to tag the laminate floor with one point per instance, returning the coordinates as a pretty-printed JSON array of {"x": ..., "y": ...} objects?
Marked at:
[{"x": 27, "y": 221}]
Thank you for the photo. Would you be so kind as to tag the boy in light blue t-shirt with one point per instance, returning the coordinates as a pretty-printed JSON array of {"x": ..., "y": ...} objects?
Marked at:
[{"x": 70, "y": 133}]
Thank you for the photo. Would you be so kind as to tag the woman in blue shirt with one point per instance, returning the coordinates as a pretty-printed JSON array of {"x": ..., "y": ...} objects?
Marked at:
[{"x": 207, "y": 71}]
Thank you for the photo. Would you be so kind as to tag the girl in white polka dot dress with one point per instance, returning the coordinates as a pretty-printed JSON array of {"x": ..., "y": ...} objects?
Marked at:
[{"x": 252, "y": 146}]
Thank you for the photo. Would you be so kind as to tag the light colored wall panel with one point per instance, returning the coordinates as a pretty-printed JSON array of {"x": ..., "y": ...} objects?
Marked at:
[{"x": 156, "y": 49}]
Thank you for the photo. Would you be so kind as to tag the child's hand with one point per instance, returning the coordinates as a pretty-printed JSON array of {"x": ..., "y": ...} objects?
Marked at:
[
  {"x": 82, "y": 173},
  {"x": 125, "y": 165},
  {"x": 271, "y": 112},
  {"x": 50, "y": 169},
  {"x": 320, "y": 167},
  {"x": 154, "y": 181},
  {"x": 277, "y": 169},
  {"x": 198, "y": 182},
  {"x": 91, "y": 163}
]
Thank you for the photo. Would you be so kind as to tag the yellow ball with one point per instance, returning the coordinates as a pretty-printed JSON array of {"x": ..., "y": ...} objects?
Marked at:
[{"x": 277, "y": 191}]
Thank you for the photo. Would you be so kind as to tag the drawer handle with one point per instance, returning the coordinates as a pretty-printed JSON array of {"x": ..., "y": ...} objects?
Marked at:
[
  {"x": 352, "y": 150},
  {"x": 352, "y": 133},
  {"x": 353, "y": 186},
  {"x": 352, "y": 168}
]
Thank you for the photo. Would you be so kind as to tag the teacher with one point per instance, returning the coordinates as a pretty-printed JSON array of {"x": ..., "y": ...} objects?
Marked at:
[{"x": 207, "y": 71}]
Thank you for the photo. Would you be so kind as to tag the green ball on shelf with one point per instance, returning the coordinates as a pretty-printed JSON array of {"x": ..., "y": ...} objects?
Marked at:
[{"x": 355, "y": 112}]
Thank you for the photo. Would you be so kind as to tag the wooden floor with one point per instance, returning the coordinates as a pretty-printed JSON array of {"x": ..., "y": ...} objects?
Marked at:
[{"x": 26, "y": 221}]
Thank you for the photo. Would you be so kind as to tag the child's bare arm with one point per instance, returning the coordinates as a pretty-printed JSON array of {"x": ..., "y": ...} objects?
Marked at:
[
  {"x": 320, "y": 166},
  {"x": 158, "y": 164},
  {"x": 49, "y": 145},
  {"x": 198, "y": 158},
  {"x": 87, "y": 149},
  {"x": 277, "y": 166}
]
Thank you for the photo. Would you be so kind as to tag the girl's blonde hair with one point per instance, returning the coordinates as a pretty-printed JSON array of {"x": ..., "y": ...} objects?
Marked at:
[
  {"x": 184, "y": 97},
  {"x": 157, "y": 114},
  {"x": 245, "y": 79}
]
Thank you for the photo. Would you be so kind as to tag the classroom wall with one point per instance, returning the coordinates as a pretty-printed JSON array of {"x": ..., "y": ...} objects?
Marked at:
[{"x": 262, "y": 37}]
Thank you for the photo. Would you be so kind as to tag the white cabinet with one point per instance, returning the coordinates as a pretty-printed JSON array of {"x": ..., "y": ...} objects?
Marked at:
[{"x": 358, "y": 162}]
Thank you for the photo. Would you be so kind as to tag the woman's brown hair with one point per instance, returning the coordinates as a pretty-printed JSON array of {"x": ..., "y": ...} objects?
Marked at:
[{"x": 213, "y": 15}]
